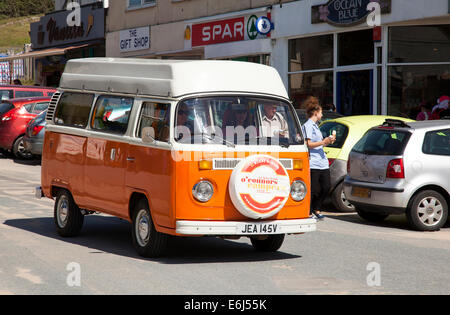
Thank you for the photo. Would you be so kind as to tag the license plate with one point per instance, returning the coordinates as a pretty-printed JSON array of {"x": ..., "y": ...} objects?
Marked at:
[
  {"x": 258, "y": 228},
  {"x": 361, "y": 192}
]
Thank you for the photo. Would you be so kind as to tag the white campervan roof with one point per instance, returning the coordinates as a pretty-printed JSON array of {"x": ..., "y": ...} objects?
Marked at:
[{"x": 171, "y": 78}]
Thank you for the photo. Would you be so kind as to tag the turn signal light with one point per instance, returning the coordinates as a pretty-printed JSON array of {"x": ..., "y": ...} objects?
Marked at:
[
  {"x": 298, "y": 165},
  {"x": 205, "y": 165}
]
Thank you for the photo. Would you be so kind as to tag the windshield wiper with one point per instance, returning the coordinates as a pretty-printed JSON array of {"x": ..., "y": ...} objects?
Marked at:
[{"x": 224, "y": 141}]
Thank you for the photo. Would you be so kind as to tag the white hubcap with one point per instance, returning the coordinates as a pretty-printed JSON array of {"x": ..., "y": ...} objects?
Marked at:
[
  {"x": 142, "y": 228},
  {"x": 430, "y": 211}
]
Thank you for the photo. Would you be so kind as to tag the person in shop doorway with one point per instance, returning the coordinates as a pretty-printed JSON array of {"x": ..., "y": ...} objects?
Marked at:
[
  {"x": 330, "y": 108},
  {"x": 320, "y": 170},
  {"x": 425, "y": 111}
]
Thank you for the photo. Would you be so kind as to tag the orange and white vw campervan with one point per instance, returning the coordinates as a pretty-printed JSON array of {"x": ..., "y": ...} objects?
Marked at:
[{"x": 184, "y": 148}]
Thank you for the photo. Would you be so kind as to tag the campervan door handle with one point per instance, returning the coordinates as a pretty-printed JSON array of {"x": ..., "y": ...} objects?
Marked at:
[{"x": 130, "y": 159}]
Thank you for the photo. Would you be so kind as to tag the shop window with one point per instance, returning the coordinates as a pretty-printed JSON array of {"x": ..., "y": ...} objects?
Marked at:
[
  {"x": 157, "y": 116},
  {"x": 111, "y": 114},
  {"x": 311, "y": 53},
  {"x": 355, "y": 48},
  {"x": 409, "y": 86},
  {"x": 319, "y": 84},
  {"x": 73, "y": 109},
  {"x": 424, "y": 43}
]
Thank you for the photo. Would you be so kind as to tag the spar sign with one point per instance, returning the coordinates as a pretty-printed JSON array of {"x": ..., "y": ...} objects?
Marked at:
[
  {"x": 259, "y": 186},
  {"x": 224, "y": 31}
]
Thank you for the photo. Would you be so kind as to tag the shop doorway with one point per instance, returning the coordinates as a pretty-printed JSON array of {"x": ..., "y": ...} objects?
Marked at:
[{"x": 355, "y": 92}]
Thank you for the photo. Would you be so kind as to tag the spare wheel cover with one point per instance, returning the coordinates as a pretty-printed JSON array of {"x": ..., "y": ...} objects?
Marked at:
[{"x": 259, "y": 186}]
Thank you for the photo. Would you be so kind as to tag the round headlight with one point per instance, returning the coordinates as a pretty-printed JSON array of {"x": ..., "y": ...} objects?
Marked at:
[
  {"x": 298, "y": 190},
  {"x": 203, "y": 191}
]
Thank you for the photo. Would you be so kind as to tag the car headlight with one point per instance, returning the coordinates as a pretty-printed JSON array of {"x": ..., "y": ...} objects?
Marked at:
[
  {"x": 298, "y": 190},
  {"x": 203, "y": 191}
]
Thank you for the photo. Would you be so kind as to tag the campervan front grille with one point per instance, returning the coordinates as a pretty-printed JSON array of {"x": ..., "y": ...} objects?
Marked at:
[
  {"x": 229, "y": 164},
  {"x": 52, "y": 106}
]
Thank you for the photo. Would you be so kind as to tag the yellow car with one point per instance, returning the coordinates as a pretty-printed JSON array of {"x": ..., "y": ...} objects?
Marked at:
[{"x": 349, "y": 130}]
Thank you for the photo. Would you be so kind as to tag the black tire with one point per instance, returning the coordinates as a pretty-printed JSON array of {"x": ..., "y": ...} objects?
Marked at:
[
  {"x": 147, "y": 241},
  {"x": 428, "y": 211},
  {"x": 271, "y": 244},
  {"x": 67, "y": 216},
  {"x": 371, "y": 216},
  {"x": 339, "y": 201},
  {"x": 19, "y": 150}
]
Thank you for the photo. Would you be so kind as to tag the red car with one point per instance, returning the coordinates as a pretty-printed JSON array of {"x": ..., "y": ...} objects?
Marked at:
[
  {"x": 19, "y": 91},
  {"x": 13, "y": 122}
]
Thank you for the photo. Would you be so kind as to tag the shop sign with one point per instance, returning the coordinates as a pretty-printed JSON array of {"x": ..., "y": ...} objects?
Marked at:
[
  {"x": 135, "y": 39},
  {"x": 53, "y": 29},
  {"x": 224, "y": 31},
  {"x": 346, "y": 12}
]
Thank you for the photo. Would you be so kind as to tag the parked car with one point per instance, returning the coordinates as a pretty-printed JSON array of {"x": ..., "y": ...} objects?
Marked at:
[
  {"x": 402, "y": 168},
  {"x": 349, "y": 130},
  {"x": 13, "y": 124},
  {"x": 327, "y": 115},
  {"x": 34, "y": 136},
  {"x": 19, "y": 91}
]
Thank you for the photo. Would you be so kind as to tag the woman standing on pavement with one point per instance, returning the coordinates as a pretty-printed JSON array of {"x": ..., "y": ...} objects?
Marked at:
[{"x": 320, "y": 170}]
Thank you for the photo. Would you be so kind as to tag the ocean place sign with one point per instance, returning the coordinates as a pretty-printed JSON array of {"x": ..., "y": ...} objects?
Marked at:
[{"x": 346, "y": 12}]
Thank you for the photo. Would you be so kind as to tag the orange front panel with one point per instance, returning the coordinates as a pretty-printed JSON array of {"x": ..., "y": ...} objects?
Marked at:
[
  {"x": 151, "y": 172},
  {"x": 220, "y": 207}
]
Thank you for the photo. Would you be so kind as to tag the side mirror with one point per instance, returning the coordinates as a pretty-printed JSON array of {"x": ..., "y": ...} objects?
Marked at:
[{"x": 148, "y": 135}]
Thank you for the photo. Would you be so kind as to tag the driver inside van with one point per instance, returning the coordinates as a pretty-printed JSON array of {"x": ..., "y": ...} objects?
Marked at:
[{"x": 273, "y": 123}]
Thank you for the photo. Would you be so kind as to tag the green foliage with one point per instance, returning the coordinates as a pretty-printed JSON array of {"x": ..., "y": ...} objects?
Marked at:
[{"x": 17, "y": 8}]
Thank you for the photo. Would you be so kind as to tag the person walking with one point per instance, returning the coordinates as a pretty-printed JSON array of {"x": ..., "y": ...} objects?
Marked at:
[{"x": 320, "y": 170}]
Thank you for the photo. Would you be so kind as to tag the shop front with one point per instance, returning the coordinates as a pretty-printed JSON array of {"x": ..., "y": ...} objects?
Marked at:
[
  {"x": 336, "y": 54},
  {"x": 56, "y": 38}
]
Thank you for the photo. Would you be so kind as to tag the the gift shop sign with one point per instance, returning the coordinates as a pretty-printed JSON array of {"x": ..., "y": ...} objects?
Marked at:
[
  {"x": 346, "y": 12},
  {"x": 225, "y": 31},
  {"x": 134, "y": 39}
]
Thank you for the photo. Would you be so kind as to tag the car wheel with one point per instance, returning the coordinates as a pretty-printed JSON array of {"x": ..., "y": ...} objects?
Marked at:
[
  {"x": 371, "y": 216},
  {"x": 340, "y": 201},
  {"x": 147, "y": 241},
  {"x": 19, "y": 150},
  {"x": 67, "y": 216},
  {"x": 270, "y": 244},
  {"x": 428, "y": 211}
]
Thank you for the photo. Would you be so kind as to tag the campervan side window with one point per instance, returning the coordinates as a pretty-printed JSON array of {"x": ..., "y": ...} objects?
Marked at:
[
  {"x": 111, "y": 114},
  {"x": 73, "y": 109},
  {"x": 157, "y": 116}
]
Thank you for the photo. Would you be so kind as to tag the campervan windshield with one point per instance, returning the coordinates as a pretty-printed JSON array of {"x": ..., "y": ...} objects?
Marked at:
[{"x": 236, "y": 121}]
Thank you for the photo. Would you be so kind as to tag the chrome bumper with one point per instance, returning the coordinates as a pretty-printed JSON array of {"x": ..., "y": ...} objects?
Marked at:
[
  {"x": 38, "y": 193},
  {"x": 245, "y": 228}
]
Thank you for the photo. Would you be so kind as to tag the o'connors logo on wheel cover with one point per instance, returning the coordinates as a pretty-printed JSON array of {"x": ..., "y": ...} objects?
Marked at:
[{"x": 259, "y": 186}]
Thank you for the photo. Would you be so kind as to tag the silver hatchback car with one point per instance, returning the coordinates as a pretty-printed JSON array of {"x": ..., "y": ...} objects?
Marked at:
[{"x": 402, "y": 168}]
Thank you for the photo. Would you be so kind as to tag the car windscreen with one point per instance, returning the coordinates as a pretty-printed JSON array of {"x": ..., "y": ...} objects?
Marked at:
[
  {"x": 382, "y": 142},
  {"x": 237, "y": 120},
  {"x": 5, "y": 107},
  {"x": 327, "y": 129}
]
